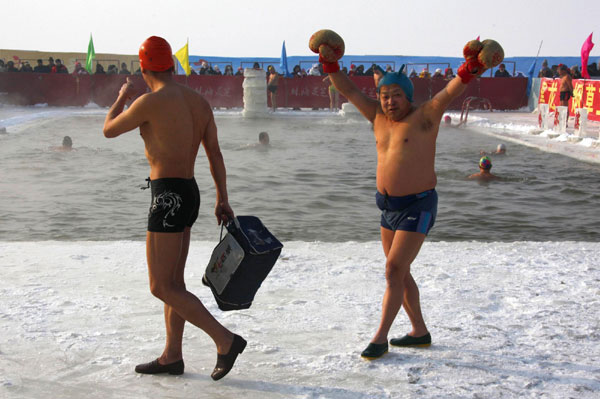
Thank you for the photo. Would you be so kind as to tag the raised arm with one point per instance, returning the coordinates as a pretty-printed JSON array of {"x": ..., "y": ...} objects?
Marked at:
[
  {"x": 435, "y": 108},
  {"x": 118, "y": 122},
  {"x": 210, "y": 142},
  {"x": 330, "y": 47},
  {"x": 479, "y": 56},
  {"x": 366, "y": 105}
]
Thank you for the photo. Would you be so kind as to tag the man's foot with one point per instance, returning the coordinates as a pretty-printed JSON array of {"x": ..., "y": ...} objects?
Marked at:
[
  {"x": 154, "y": 367},
  {"x": 374, "y": 351},
  {"x": 409, "y": 340},
  {"x": 225, "y": 362}
]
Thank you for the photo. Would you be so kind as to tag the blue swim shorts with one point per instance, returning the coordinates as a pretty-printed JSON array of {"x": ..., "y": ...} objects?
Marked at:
[{"x": 415, "y": 212}]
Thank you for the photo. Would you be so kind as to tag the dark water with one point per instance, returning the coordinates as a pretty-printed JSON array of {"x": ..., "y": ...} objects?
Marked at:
[{"x": 316, "y": 182}]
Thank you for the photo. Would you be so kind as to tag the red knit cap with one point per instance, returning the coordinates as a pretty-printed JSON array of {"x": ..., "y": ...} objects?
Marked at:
[{"x": 156, "y": 55}]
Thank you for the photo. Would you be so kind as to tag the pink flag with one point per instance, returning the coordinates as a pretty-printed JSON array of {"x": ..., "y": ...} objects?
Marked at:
[
  {"x": 478, "y": 37},
  {"x": 585, "y": 54}
]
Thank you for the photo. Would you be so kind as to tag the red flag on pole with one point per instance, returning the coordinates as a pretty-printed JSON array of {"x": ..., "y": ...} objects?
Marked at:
[{"x": 585, "y": 55}]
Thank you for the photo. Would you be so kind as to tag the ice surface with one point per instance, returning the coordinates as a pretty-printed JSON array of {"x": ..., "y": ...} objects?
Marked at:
[
  {"x": 507, "y": 319},
  {"x": 521, "y": 128}
]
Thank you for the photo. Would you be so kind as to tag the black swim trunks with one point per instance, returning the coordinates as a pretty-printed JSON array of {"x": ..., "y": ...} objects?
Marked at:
[
  {"x": 175, "y": 204},
  {"x": 416, "y": 212},
  {"x": 272, "y": 88},
  {"x": 565, "y": 95}
]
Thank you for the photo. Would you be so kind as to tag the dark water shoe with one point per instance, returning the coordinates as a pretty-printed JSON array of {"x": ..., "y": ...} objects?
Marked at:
[
  {"x": 154, "y": 367},
  {"x": 374, "y": 351},
  {"x": 225, "y": 362},
  {"x": 408, "y": 340}
]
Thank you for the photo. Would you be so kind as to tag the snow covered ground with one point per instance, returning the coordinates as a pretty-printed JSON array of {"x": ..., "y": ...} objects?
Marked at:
[{"x": 508, "y": 320}]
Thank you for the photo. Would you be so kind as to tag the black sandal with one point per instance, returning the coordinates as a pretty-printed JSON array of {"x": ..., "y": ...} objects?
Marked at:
[
  {"x": 154, "y": 367},
  {"x": 409, "y": 340},
  {"x": 374, "y": 351},
  {"x": 225, "y": 362}
]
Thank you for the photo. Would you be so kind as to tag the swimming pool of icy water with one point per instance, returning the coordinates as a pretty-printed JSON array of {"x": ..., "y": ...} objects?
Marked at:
[{"x": 316, "y": 182}]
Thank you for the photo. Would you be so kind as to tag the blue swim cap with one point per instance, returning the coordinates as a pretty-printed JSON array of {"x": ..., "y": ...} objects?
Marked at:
[
  {"x": 398, "y": 78},
  {"x": 485, "y": 163}
]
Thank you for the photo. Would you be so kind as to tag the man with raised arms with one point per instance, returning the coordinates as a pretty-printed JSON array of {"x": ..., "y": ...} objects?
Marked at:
[
  {"x": 405, "y": 137},
  {"x": 174, "y": 120}
]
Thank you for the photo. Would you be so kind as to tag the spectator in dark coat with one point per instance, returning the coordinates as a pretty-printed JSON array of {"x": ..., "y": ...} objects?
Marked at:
[
  {"x": 40, "y": 67},
  {"x": 501, "y": 72},
  {"x": 59, "y": 67},
  {"x": 545, "y": 72}
]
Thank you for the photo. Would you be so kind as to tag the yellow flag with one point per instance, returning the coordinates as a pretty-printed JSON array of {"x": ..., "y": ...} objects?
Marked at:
[{"x": 184, "y": 60}]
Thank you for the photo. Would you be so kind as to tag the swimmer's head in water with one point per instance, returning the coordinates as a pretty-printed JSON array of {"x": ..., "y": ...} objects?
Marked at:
[
  {"x": 447, "y": 119},
  {"x": 485, "y": 163},
  {"x": 501, "y": 148},
  {"x": 263, "y": 138},
  {"x": 156, "y": 55},
  {"x": 398, "y": 78},
  {"x": 67, "y": 142}
]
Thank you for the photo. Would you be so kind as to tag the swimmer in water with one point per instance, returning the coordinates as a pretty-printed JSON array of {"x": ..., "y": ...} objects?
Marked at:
[
  {"x": 485, "y": 167},
  {"x": 3, "y": 130},
  {"x": 263, "y": 138},
  {"x": 67, "y": 145},
  {"x": 500, "y": 150},
  {"x": 173, "y": 121},
  {"x": 262, "y": 144},
  {"x": 405, "y": 137}
]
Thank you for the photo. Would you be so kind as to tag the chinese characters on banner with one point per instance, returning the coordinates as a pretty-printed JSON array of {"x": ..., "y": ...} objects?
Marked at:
[{"x": 586, "y": 94}]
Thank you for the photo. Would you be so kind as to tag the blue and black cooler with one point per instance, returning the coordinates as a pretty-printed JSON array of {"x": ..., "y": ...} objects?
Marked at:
[{"x": 240, "y": 262}]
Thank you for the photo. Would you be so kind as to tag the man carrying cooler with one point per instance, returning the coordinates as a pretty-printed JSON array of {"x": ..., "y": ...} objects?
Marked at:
[
  {"x": 174, "y": 120},
  {"x": 405, "y": 137}
]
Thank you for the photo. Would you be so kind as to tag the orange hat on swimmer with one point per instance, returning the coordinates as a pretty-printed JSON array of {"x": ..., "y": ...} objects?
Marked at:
[{"x": 156, "y": 55}]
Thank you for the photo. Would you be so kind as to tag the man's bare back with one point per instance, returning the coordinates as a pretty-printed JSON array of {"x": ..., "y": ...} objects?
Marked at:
[{"x": 174, "y": 121}]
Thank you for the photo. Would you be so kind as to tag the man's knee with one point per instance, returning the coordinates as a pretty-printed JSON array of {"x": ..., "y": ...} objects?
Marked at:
[
  {"x": 396, "y": 272},
  {"x": 163, "y": 289}
]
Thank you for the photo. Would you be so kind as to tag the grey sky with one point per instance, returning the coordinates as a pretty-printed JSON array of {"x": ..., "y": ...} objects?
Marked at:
[{"x": 257, "y": 28}]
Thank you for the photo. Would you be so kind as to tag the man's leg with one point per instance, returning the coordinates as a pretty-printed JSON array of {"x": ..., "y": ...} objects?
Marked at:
[
  {"x": 403, "y": 249},
  {"x": 163, "y": 251},
  {"x": 412, "y": 307},
  {"x": 173, "y": 322}
]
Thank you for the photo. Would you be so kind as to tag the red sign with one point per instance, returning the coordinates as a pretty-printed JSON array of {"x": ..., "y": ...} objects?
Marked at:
[
  {"x": 227, "y": 91},
  {"x": 586, "y": 94}
]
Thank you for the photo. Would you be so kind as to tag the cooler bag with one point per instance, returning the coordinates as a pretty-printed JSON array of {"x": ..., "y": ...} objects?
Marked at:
[{"x": 240, "y": 262}]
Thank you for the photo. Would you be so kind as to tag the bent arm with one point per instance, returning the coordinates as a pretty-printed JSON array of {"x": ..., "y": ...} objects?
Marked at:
[
  {"x": 367, "y": 106},
  {"x": 223, "y": 211},
  {"x": 438, "y": 104},
  {"x": 118, "y": 121},
  {"x": 215, "y": 160}
]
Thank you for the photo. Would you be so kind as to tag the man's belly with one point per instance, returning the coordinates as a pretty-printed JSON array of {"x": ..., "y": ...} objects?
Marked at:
[{"x": 397, "y": 182}]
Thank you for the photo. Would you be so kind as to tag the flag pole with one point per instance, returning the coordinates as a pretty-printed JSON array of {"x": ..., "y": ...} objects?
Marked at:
[{"x": 187, "y": 43}]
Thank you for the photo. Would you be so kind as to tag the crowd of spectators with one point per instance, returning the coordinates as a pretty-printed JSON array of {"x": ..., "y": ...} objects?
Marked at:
[
  {"x": 554, "y": 70},
  {"x": 56, "y": 66},
  {"x": 24, "y": 66}
]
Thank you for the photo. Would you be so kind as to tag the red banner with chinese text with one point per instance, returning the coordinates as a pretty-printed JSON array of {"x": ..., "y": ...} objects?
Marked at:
[{"x": 586, "y": 94}]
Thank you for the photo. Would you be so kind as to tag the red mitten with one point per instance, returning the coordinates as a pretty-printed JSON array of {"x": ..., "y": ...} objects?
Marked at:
[
  {"x": 469, "y": 70},
  {"x": 472, "y": 49},
  {"x": 329, "y": 67},
  {"x": 492, "y": 53},
  {"x": 330, "y": 47},
  {"x": 479, "y": 56}
]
